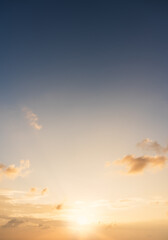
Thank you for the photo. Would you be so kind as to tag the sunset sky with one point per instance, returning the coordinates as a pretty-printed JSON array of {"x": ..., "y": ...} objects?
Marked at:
[{"x": 84, "y": 120}]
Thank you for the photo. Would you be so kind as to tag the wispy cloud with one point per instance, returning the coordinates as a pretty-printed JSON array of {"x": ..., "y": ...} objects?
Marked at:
[
  {"x": 135, "y": 165},
  {"x": 153, "y": 146},
  {"x": 37, "y": 192},
  {"x": 13, "y": 172},
  {"x": 12, "y": 206},
  {"x": 15, "y": 222},
  {"x": 32, "y": 119},
  {"x": 41, "y": 223},
  {"x": 115, "y": 204}
]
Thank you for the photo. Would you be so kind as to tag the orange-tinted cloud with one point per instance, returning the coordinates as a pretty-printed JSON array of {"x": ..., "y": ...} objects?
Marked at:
[
  {"x": 13, "y": 223},
  {"x": 44, "y": 191},
  {"x": 32, "y": 119},
  {"x": 150, "y": 145},
  {"x": 36, "y": 192},
  {"x": 59, "y": 206},
  {"x": 135, "y": 165},
  {"x": 33, "y": 190},
  {"x": 12, "y": 171}
]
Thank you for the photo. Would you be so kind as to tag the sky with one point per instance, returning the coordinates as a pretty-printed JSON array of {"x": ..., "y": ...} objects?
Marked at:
[{"x": 83, "y": 123}]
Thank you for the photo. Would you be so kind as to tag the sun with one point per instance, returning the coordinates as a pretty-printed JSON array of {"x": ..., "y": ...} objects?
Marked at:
[
  {"x": 83, "y": 217},
  {"x": 82, "y": 220}
]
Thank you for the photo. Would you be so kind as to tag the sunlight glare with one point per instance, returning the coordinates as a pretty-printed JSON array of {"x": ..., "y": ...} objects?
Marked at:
[{"x": 82, "y": 220}]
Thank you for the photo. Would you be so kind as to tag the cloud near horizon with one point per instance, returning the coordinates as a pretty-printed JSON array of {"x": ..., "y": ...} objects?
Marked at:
[
  {"x": 13, "y": 172},
  {"x": 136, "y": 165},
  {"x": 59, "y": 206},
  {"x": 34, "y": 190},
  {"x": 32, "y": 119},
  {"x": 150, "y": 145},
  {"x": 44, "y": 191},
  {"x": 15, "y": 222}
]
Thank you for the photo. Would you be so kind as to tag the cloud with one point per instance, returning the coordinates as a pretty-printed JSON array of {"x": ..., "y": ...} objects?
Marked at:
[
  {"x": 161, "y": 202},
  {"x": 117, "y": 204},
  {"x": 13, "y": 223},
  {"x": 2, "y": 166},
  {"x": 32, "y": 119},
  {"x": 12, "y": 208},
  {"x": 36, "y": 193},
  {"x": 59, "y": 206},
  {"x": 150, "y": 145},
  {"x": 33, "y": 190},
  {"x": 137, "y": 165},
  {"x": 12, "y": 171},
  {"x": 44, "y": 191},
  {"x": 59, "y": 229}
]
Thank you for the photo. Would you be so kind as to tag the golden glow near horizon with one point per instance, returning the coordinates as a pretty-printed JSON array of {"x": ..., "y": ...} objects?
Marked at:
[
  {"x": 83, "y": 220},
  {"x": 77, "y": 182},
  {"x": 84, "y": 217},
  {"x": 67, "y": 187}
]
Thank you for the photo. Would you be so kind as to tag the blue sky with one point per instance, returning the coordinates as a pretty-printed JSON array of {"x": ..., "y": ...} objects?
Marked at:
[{"x": 82, "y": 46}]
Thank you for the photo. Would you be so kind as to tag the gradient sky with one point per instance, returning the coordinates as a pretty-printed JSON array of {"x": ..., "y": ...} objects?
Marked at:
[{"x": 83, "y": 102}]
